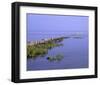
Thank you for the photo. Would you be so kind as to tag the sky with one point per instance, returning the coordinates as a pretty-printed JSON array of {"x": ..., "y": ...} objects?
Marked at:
[{"x": 56, "y": 23}]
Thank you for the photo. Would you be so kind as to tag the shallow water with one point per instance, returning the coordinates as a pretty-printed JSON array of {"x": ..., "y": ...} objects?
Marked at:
[{"x": 73, "y": 50}]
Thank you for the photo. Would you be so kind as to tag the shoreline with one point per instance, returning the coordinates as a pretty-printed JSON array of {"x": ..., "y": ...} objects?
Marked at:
[{"x": 41, "y": 48}]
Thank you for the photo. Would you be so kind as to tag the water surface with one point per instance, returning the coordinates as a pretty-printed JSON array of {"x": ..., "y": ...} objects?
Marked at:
[{"x": 74, "y": 51}]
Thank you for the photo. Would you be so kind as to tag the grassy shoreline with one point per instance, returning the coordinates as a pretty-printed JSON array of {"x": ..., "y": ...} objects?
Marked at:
[{"x": 41, "y": 49}]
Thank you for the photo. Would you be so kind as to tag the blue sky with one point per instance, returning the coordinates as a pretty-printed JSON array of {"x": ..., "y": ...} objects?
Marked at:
[{"x": 56, "y": 23}]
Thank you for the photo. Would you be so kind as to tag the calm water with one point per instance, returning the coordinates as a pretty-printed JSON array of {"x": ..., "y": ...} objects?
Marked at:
[{"x": 74, "y": 51}]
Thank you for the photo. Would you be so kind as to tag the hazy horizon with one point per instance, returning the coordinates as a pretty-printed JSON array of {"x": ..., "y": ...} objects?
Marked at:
[{"x": 56, "y": 23}]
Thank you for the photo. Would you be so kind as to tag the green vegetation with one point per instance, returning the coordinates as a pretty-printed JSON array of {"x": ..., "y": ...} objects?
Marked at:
[
  {"x": 40, "y": 49},
  {"x": 55, "y": 58}
]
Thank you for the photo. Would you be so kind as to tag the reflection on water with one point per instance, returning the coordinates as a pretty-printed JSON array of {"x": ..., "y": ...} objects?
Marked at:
[{"x": 57, "y": 58}]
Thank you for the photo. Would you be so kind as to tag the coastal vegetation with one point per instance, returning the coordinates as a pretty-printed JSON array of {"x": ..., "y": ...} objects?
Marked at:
[
  {"x": 40, "y": 49},
  {"x": 58, "y": 57}
]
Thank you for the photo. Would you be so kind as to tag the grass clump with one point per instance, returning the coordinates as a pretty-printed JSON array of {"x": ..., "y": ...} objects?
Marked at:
[
  {"x": 58, "y": 57},
  {"x": 39, "y": 49}
]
